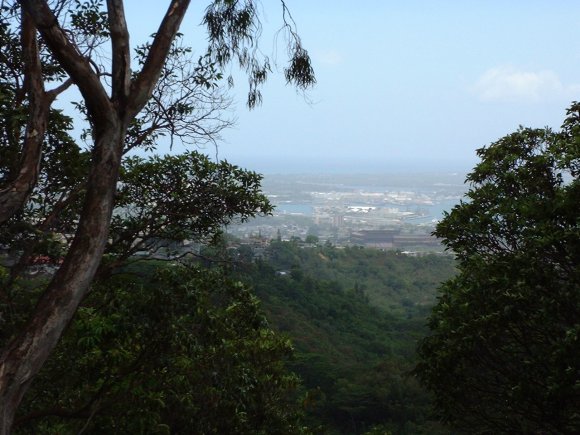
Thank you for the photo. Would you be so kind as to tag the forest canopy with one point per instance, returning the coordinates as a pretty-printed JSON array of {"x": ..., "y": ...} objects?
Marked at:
[{"x": 504, "y": 347}]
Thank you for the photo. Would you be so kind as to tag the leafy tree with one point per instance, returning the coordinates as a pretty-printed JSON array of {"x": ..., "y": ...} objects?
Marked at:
[
  {"x": 504, "y": 350},
  {"x": 312, "y": 239},
  {"x": 180, "y": 197},
  {"x": 185, "y": 346},
  {"x": 127, "y": 105}
]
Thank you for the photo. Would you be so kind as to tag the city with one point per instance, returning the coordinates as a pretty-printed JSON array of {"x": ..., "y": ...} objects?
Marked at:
[{"x": 389, "y": 211}]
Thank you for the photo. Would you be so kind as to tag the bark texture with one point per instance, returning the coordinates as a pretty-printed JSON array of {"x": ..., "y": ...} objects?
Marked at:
[{"x": 15, "y": 194}]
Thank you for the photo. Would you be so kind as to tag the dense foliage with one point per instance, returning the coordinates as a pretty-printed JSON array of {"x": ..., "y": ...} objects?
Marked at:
[
  {"x": 188, "y": 347},
  {"x": 180, "y": 197},
  {"x": 180, "y": 350},
  {"x": 393, "y": 281},
  {"x": 165, "y": 342},
  {"x": 504, "y": 352},
  {"x": 354, "y": 316}
]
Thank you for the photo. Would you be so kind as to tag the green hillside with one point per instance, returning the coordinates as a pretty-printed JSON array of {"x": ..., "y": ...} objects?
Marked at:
[
  {"x": 354, "y": 316},
  {"x": 169, "y": 339},
  {"x": 389, "y": 279}
]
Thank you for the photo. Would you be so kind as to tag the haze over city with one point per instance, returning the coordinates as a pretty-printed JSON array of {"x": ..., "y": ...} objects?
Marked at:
[{"x": 400, "y": 85}]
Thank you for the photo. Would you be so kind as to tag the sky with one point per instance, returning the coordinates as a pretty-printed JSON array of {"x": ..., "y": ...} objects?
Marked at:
[{"x": 401, "y": 85}]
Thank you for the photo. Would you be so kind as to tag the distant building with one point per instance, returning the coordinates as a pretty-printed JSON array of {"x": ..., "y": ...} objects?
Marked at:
[
  {"x": 405, "y": 241},
  {"x": 393, "y": 239},
  {"x": 383, "y": 239}
]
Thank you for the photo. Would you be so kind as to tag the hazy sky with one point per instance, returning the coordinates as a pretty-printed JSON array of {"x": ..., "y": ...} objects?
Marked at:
[{"x": 401, "y": 83}]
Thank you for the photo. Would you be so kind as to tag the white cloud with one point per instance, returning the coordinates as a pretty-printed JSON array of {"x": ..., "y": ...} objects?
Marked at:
[{"x": 506, "y": 83}]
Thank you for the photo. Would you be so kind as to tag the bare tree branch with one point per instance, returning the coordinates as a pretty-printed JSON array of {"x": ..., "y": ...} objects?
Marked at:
[
  {"x": 143, "y": 86},
  {"x": 53, "y": 93},
  {"x": 120, "y": 50},
  {"x": 69, "y": 57}
]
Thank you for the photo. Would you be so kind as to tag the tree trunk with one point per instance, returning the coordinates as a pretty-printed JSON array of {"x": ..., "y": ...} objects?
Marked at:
[
  {"x": 13, "y": 196},
  {"x": 24, "y": 356}
]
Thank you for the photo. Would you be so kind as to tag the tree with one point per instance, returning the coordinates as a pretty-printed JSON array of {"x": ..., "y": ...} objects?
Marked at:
[
  {"x": 311, "y": 238},
  {"x": 175, "y": 198},
  {"x": 186, "y": 346},
  {"x": 117, "y": 103},
  {"x": 504, "y": 350}
]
